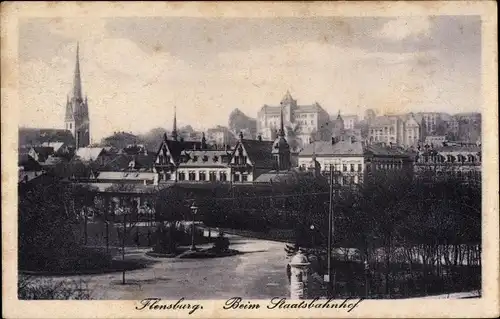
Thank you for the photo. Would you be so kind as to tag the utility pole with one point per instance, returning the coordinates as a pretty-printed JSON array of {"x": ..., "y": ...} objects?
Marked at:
[
  {"x": 123, "y": 243},
  {"x": 330, "y": 233}
]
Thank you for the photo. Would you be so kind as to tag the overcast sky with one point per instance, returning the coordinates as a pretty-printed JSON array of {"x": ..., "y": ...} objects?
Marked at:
[{"x": 134, "y": 70}]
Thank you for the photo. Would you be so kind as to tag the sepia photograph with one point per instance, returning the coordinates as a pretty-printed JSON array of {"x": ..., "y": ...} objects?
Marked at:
[{"x": 309, "y": 162}]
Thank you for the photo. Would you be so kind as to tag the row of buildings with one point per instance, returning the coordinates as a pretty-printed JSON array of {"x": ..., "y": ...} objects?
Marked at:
[{"x": 291, "y": 138}]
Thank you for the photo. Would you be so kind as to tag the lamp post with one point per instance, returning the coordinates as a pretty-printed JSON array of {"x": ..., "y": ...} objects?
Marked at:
[
  {"x": 312, "y": 235},
  {"x": 194, "y": 210}
]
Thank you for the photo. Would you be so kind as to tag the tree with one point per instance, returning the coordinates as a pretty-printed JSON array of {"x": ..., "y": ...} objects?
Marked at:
[{"x": 48, "y": 218}]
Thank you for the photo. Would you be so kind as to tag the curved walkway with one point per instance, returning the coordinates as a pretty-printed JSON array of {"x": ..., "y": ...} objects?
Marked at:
[{"x": 258, "y": 273}]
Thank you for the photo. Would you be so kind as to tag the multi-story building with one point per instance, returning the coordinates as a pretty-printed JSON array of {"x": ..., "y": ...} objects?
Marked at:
[
  {"x": 461, "y": 162},
  {"x": 306, "y": 120},
  {"x": 192, "y": 161},
  {"x": 386, "y": 129},
  {"x": 220, "y": 135},
  {"x": 435, "y": 140},
  {"x": 411, "y": 130},
  {"x": 350, "y": 121},
  {"x": 469, "y": 126},
  {"x": 354, "y": 160}
]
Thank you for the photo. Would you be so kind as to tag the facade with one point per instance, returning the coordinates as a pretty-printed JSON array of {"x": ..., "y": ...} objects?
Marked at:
[
  {"x": 191, "y": 161},
  {"x": 435, "y": 140},
  {"x": 76, "y": 118},
  {"x": 197, "y": 162},
  {"x": 353, "y": 160},
  {"x": 306, "y": 120},
  {"x": 386, "y": 129},
  {"x": 461, "y": 162},
  {"x": 350, "y": 121},
  {"x": 220, "y": 135}
]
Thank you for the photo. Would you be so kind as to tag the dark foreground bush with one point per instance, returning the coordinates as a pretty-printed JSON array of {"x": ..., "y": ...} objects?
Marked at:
[
  {"x": 75, "y": 258},
  {"x": 30, "y": 288}
]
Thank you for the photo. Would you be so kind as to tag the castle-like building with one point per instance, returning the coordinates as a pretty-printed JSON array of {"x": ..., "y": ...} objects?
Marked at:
[
  {"x": 76, "y": 119},
  {"x": 307, "y": 121}
]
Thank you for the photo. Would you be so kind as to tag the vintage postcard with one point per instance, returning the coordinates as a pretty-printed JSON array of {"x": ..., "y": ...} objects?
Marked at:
[{"x": 249, "y": 160}]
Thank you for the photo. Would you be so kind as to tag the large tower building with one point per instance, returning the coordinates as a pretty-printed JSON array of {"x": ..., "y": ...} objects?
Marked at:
[{"x": 76, "y": 119}]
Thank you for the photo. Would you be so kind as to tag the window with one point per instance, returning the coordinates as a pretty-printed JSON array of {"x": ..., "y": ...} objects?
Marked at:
[
  {"x": 360, "y": 167},
  {"x": 202, "y": 176},
  {"x": 181, "y": 176},
  {"x": 236, "y": 177},
  {"x": 216, "y": 158},
  {"x": 212, "y": 176},
  {"x": 195, "y": 158},
  {"x": 204, "y": 158},
  {"x": 70, "y": 126},
  {"x": 352, "y": 167},
  {"x": 345, "y": 181},
  {"x": 344, "y": 168},
  {"x": 192, "y": 176},
  {"x": 223, "y": 176},
  {"x": 244, "y": 178}
]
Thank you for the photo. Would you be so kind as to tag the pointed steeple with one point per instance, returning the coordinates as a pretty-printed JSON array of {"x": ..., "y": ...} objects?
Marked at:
[
  {"x": 174, "y": 128},
  {"x": 282, "y": 128},
  {"x": 338, "y": 116},
  {"x": 287, "y": 99},
  {"x": 77, "y": 82},
  {"x": 203, "y": 141}
]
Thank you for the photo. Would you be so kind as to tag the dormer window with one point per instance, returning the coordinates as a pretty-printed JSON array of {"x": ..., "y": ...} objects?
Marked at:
[
  {"x": 195, "y": 158},
  {"x": 216, "y": 158},
  {"x": 204, "y": 158}
]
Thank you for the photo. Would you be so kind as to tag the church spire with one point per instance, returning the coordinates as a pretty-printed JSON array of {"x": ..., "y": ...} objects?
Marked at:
[
  {"x": 282, "y": 128},
  {"x": 77, "y": 82},
  {"x": 174, "y": 128}
]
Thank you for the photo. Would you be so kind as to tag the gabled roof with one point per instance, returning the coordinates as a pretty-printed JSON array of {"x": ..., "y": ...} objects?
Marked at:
[
  {"x": 122, "y": 161},
  {"x": 35, "y": 136},
  {"x": 379, "y": 150},
  {"x": 308, "y": 108},
  {"x": 88, "y": 153},
  {"x": 205, "y": 158},
  {"x": 176, "y": 147},
  {"x": 325, "y": 148},
  {"x": 126, "y": 176},
  {"x": 288, "y": 176},
  {"x": 28, "y": 162},
  {"x": 55, "y": 145},
  {"x": 381, "y": 121},
  {"x": 43, "y": 152},
  {"x": 259, "y": 152}
]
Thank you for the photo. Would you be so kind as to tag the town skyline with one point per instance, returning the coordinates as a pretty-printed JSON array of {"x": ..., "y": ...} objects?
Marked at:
[{"x": 167, "y": 71}]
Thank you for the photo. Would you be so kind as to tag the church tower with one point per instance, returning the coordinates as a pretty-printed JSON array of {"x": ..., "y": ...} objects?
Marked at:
[
  {"x": 76, "y": 119},
  {"x": 281, "y": 149}
]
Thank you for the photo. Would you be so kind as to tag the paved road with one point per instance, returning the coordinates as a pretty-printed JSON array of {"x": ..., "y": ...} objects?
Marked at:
[{"x": 258, "y": 273}]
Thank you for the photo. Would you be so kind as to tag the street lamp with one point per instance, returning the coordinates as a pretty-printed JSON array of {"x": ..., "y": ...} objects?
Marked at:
[
  {"x": 194, "y": 210},
  {"x": 312, "y": 235}
]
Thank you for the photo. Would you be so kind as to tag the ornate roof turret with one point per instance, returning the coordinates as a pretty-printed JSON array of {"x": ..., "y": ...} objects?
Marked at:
[
  {"x": 280, "y": 145},
  {"x": 174, "y": 128}
]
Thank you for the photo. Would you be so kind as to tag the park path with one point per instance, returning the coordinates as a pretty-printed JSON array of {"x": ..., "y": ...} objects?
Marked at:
[{"x": 258, "y": 273}]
